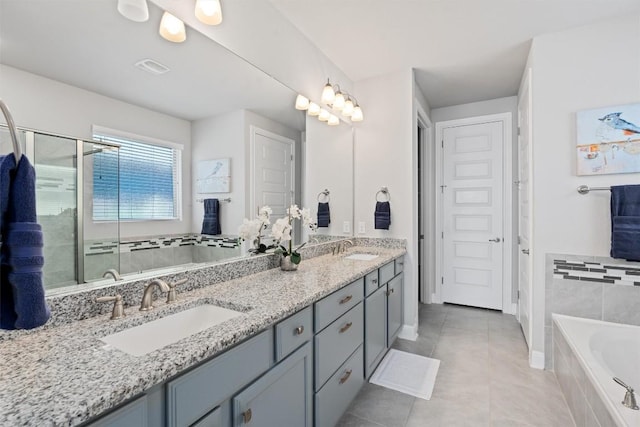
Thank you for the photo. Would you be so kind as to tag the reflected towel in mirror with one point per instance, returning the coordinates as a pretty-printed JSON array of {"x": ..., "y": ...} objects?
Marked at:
[{"x": 625, "y": 222}]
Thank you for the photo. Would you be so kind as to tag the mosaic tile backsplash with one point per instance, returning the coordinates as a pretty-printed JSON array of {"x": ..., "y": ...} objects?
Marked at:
[{"x": 619, "y": 274}]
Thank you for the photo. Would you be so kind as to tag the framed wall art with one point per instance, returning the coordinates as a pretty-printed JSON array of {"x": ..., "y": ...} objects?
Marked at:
[{"x": 213, "y": 176}]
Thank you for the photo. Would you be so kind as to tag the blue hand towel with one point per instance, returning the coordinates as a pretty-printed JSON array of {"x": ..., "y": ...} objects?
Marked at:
[
  {"x": 625, "y": 238},
  {"x": 22, "y": 302},
  {"x": 625, "y": 222},
  {"x": 211, "y": 220},
  {"x": 382, "y": 216},
  {"x": 22, "y": 268},
  {"x": 324, "y": 214}
]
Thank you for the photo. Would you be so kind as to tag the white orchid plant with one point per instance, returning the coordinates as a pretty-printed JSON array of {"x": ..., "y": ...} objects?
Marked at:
[
  {"x": 282, "y": 231},
  {"x": 252, "y": 230}
]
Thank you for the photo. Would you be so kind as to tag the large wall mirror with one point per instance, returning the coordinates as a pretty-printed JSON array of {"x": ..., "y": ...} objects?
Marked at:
[{"x": 83, "y": 82}]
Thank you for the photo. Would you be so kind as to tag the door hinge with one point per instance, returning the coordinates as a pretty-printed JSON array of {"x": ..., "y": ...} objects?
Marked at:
[
  {"x": 292, "y": 157},
  {"x": 442, "y": 280},
  {"x": 518, "y": 294},
  {"x": 442, "y": 235},
  {"x": 442, "y": 143},
  {"x": 519, "y": 240},
  {"x": 518, "y": 130}
]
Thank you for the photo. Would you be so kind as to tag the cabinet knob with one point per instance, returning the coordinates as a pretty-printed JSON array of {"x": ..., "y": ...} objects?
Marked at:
[
  {"x": 299, "y": 330},
  {"x": 345, "y": 377},
  {"x": 374, "y": 281},
  {"x": 346, "y": 327},
  {"x": 246, "y": 416},
  {"x": 346, "y": 299}
]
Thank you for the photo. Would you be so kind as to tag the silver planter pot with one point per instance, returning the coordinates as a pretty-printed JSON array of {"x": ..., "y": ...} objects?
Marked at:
[{"x": 287, "y": 265}]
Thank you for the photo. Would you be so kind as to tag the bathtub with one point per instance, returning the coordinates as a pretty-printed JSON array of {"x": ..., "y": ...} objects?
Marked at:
[{"x": 594, "y": 351}]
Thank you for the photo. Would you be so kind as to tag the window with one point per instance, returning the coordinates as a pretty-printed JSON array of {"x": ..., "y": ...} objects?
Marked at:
[{"x": 148, "y": 179}]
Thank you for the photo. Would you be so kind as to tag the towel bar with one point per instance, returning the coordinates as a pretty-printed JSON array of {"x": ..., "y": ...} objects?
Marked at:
[
  {"x": 584, "y": 189},
  {"x": 228, "y": 199}
]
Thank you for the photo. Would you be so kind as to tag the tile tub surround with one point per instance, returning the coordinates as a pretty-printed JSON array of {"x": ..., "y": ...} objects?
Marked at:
[
  {"x": 63, "y": 375},
  {"x": 577, "y": 286}
]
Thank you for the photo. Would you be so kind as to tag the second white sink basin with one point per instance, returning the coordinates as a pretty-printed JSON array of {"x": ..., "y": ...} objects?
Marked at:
[
  {"x": 362, "y": 257},
  {"x": 145, "y": 338}
]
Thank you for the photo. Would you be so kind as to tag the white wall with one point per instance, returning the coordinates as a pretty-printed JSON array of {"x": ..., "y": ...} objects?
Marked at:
[
  {"x": 220, "y": 137},
  {"x": 228, "y": 136},
  {"x": 588, "y": 67},
  {"x": 329, "y": 165},
  {"x": 384, "y": 156},
  {"x": 47, "y": 105},
  {"x": 484, "y": 108}
]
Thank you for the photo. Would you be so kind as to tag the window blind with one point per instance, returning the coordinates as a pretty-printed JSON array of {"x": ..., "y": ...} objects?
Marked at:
[{"x": 148, "y": 181}]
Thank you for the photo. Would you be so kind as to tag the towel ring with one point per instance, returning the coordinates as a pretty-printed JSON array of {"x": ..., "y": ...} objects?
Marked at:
[
  {"x": 324, "y": 193},
  {"x": 385, "y": 191}
]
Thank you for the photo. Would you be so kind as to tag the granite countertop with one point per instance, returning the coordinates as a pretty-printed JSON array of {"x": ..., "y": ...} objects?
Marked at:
[{"x": 64, "y": 375}]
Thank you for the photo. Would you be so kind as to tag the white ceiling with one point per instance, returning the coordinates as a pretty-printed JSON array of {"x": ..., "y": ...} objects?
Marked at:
[
  {"x": 86, "y": 43},
  {"x": 462, "y": 50}
]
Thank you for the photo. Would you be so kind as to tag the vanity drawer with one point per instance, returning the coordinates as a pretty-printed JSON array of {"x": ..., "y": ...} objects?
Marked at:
[
  {"x": 334, "y": 345},
  {"x": 371, "y": 283},
  {"x": 399, "y": 265},
  {"x": 133, "y": 414},
  {"x": 340, "y": 390},
  {"x": 197, "y": 392},
  {"x": 387, "y": 272},
  {"x": 292, "y": 332},
  {"x": 333, "y": 306}
]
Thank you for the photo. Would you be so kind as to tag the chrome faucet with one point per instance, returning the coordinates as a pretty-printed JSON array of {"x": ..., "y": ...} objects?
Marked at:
[
  {"x": 147, "y": 296},
  {"x": 344, "y": 245},
  {"x": 341, "y": 247},
  {"x": 113, "y": 273},
  {"x": 171, "y": 295},
  {"x": 118, "y": 307},
  {"x": 629, "y": 398}
]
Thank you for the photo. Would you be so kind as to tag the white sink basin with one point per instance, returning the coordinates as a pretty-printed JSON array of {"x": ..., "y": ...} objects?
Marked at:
[
  {"x": 145, "y": 338},
  {"x": 362, "y": 257}
]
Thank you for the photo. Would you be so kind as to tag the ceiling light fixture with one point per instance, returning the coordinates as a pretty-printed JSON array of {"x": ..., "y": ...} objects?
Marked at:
[
  {"x": 333, "y": 120},
  {"x": 135, "y": 10},
  {"x": 172, "y": 29},
  {"x": 209, "y": 11},
  {"x": 347, "y": 111},
  {"x": 302, "y": 102},
  {"x": 314, "y": 109},
  {"x": 324, "y": 115},
  {"x": 357, "y": 115},
  {"x": 341, "y": 101},
  {"x": 328, "y": 95}
]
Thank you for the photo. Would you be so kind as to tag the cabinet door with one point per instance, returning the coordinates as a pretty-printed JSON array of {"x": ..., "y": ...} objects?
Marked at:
[
  {"x": 133, "y": 414},
  {"x": 394, "y": 307},
  {"x": 375, "y": 329},
  {"x": 281, "y": 397}
]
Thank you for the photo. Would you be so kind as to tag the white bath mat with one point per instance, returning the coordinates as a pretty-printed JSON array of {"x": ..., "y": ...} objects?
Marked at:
[{"x": 408, "y": 373}]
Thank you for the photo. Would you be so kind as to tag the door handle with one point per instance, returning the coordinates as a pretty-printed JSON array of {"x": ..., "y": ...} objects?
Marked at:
[
  {"x": 525, "y": 251},
  {"x": 497, "y": 240}
]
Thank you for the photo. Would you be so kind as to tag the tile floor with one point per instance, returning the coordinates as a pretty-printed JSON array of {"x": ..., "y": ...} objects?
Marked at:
[{"x": 484, "y": 378}]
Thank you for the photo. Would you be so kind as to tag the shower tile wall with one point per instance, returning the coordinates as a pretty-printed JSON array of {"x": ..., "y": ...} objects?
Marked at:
[
  {"x": 598, "y": 288},
  {"x": 148, "y": 253}
]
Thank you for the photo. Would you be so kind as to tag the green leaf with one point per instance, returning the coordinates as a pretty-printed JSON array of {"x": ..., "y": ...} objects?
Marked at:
[{"x": 296, "y": 258}]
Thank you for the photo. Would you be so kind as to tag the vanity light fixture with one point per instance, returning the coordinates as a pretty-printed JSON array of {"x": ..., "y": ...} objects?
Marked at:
[
  {"x": 314, "y": 109},
  {"x": 357, "y": 115},
  {"x": 347, "y": 111},
  {"x": 328, "y": 94},
  {"x": 324, "y": 115},
  {"x": 338, "y": 102},
  {"x": 209, "y": 11},
  {"x": 333, "y": 120},
  {"x": 302, "y": 102},
  {"x": 135, "y": 10},
  {"x": 172, "y": 28}
]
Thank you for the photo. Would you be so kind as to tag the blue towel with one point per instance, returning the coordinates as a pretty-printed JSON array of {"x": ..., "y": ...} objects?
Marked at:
[
  {"x": 382, "y": 216},
  {"x": 211, "y": 220},
  {"x": 324, "y": 215},
  {"x": 22, "y": 302},
  {"x": 625, "y": 222}
]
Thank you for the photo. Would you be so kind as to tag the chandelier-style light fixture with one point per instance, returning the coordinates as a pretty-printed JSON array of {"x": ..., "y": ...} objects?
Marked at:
[
  {"x": 209, "y": 11},
  {"x": 337, "y": 100},
  {"x": 172, "y": 28}
]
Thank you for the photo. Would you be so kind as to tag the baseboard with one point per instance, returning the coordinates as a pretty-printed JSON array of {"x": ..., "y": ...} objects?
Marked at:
[
  {"x": 409, "y": 332},
  {"x": 536, "y": 360},
  {"x": 435, "y": 299}
]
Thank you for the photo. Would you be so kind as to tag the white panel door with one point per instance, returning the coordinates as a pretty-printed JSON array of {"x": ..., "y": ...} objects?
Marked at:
[
  {"x": 524, "y": 209},
  {"x": 272, "y": 173},
  {"x": 472, "y": 223}
]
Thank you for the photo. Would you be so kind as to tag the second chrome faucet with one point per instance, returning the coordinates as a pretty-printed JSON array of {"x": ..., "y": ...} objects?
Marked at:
[{"x": 147, "y": 295}]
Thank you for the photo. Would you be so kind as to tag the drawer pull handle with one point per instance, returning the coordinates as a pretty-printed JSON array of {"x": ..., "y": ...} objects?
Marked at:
[
  {"x": 246, "y": 416},
  {"x": 346, "y": 299},
  {"x": 345, "y": 377},
  {"x": 346, "y": 327},
  {"x": 390, "y": 291},
  {"x": 401, "y": 264},
  {"x": 299, "y": 330},
  {"x": 374, "y": 281}
]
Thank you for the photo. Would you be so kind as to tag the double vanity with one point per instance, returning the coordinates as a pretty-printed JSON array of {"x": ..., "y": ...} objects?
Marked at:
[{"x": 271, "y": 348}]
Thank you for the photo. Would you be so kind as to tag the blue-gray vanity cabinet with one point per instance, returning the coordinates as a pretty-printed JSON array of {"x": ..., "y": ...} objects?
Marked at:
[
  {"x": 333, "y": 306},
  {"x": 133, "y": 414},
  {"x": 387, "y": 272},
  {"x": 281, "y": 397},
  {"x": 371, "y": 283},
  {"x": 292, "y": 332},
  {"x": 212, "y": 419},
  {"x": 339, "y": 391},
  {"x": 196, "y": 393},
  {"x": 394, "y": 308},
  {"x": 375, "y": 329},
  {"x": 399, "y": 263},
  {"x": 336, "y": 343}
]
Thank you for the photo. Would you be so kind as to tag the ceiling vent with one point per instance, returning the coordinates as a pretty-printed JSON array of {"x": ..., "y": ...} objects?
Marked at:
[{"x": 151, "y": 66}]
